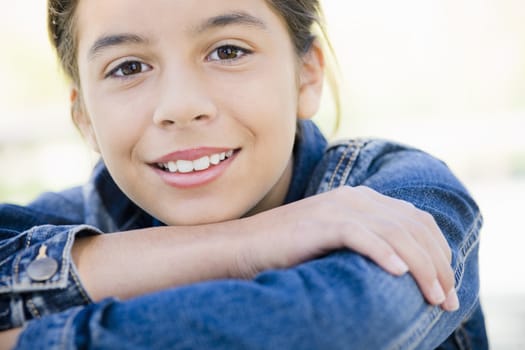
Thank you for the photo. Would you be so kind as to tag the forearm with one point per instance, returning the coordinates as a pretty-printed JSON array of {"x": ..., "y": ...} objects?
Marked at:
[
  {"x": 133, "y": 263},
  {"x": 8, "y": 338},
  {"x": 121, "y": 264}
]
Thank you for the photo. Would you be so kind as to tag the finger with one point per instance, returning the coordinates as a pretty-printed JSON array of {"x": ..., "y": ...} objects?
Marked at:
[
  {"x": 425, "y": 230},
  {"x": 416, "y": 238},
  {"x": 451, "y": 303},
  {"x": 428, "y": 220},
  {"x": 419, "y": 261},
  {"x": 410, "y": 210},
  {"x": 441, "y": 262},
  {"x": 424, "y": 272},
  {"x": 360, "y": 239}
]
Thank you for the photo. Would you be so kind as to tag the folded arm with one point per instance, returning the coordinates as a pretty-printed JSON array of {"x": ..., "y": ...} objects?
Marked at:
[
  {"x": 331, "y": 302},
  {"x": 340, "y": 299}
]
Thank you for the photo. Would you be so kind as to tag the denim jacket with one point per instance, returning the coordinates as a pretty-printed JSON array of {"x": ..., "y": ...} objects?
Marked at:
[{"x": 339, "y": 301}]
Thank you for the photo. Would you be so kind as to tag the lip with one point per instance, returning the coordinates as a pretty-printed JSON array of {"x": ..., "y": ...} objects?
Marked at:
[
  {"x": 196, "y": 178},
  {"x": 191, "y": 154}
]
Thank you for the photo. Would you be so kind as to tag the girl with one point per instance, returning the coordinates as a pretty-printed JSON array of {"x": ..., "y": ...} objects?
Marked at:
[{"x": 228, "y": 213}]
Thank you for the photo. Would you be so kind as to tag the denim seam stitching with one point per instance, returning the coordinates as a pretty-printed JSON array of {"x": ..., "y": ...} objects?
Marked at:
[
  {"x": 33, "y": 309},
  {"x": 16, "y": 270},
  {"x": 334, "y": 174},
  {"x": 356, "y": 146},
  {"x": 417, "y": 334},
  {"x": 19, "y": 258},
  {"x": 29, "y": 238},
  {"x": 80, "y": 288},
  {"x": 76, "y": 280},
  {"x": 353, "y": 147}
]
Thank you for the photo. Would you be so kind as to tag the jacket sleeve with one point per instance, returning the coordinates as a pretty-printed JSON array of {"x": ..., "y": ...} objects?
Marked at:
[
  {"x": 340, "y": 301},
  {"x": 37, "y": 274}
]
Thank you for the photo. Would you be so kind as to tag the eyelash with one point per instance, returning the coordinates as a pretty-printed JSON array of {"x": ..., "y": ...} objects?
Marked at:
[
  {"x": 240, "y": 52},
  {"x": 114, "y": 73}
]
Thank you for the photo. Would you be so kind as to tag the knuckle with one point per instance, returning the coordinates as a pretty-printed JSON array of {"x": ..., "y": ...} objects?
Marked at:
[
  {"x": 345, "y": 192},
  {"x": 346, "y": 189},
  {"x": 425, "y": 270},
  {"x": 365, "y": 190},
  {"x": 337, "y": 193},
  {"x": 428, "y": 276},
  {"x": 447, "y": 284},
  {"x": 360, "y": 190},
  {"x": 408, "y": 206},
  {"x": 384, "y": 253},
  {"x": 448, "y": 275},
  {"x": 393, "y": 231},
  {"x": 417, "y": 228},
  {"x": 450, "y": 281},
  {"x": 426, "y": 218}
]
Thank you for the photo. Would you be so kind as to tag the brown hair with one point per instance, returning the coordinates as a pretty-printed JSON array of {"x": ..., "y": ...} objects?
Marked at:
[{"x": 301, "y": 16}]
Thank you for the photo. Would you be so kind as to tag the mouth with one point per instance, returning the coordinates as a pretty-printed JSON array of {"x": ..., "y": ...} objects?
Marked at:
[{"x": 186, "y": 166}]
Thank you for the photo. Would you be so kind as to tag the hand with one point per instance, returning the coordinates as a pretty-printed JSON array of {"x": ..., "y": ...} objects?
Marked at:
[
  {"x": 391, "y": 232},
  {"x": 8, "y": 338}
]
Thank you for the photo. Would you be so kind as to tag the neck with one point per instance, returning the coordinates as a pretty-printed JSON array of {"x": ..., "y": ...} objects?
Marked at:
[{"x": 277, "y": 194}]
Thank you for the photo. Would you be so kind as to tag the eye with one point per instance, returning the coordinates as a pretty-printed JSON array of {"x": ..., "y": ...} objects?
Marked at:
[
  {"x": 129, "y": 68},
  {"x": 228, "y": 53}
]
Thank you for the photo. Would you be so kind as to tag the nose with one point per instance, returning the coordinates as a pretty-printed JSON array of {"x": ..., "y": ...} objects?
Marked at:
[{"x": 183, "y": 101}]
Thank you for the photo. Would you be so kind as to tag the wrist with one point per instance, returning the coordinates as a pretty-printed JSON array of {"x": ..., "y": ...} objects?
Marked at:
[{"x": 8, "y": 339}]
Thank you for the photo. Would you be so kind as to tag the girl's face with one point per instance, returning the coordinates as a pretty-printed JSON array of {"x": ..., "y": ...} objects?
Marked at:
[{"x": 193, "y": 104}]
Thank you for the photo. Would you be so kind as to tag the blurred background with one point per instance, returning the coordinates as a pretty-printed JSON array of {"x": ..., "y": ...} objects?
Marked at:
[{"x": 447, "y": 76}]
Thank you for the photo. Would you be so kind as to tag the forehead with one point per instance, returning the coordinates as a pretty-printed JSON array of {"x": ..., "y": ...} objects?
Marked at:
[{"x": 156, "y": 17}]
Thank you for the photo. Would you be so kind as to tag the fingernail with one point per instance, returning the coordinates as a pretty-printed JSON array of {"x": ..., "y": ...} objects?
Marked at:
[
  {"x": 452, "y": 301},
  {"x": 436, "y": 293},
  {"x": 397, "y": 265}
]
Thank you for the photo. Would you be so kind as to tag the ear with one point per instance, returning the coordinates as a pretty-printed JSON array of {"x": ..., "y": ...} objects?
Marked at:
[
  {"x": 311, "y": 81},
  {"x": 81, "y": 119}
]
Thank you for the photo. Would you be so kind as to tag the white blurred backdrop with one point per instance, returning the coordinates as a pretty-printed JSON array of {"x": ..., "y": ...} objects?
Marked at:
[{"x": 447, "y": 76}]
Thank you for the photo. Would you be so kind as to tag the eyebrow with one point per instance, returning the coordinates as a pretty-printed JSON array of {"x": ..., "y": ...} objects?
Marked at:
[
  {"x": 233, "y": 18},
  {"x": 114, "y": 40},
  {"x": 224, "y": 20}
]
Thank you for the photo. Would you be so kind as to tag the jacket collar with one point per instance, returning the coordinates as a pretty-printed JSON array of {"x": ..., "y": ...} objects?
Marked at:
[{"x": 309, "y": 149}]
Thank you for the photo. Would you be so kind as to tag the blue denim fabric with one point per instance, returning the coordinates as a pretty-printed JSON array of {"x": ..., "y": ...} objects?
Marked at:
[{"x": 340, "y": 301}]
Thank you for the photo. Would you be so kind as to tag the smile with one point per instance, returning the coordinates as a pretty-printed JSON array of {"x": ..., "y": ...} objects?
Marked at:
[{"x": 190, "y": 166}]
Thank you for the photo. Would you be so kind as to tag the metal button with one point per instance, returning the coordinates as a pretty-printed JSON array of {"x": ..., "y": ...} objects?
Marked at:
[{"x": 43, "y": 267}]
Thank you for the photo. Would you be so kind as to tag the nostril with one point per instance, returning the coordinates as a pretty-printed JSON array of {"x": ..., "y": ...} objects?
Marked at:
[
  {"x": 182, "y": 121},
  {"x": 168, "y": 122}
]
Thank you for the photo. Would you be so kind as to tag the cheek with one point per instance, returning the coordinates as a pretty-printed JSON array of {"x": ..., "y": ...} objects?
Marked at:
[
  {"x": 266, "y": 97},
  {"x": 117, "y": 125},
  {"x": 266, "y": 106}
]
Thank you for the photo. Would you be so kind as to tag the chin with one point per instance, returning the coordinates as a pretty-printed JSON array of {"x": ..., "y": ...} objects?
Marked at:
[
  {"x": 192, "y": 220},
  {"x": 198, "y": 210}
]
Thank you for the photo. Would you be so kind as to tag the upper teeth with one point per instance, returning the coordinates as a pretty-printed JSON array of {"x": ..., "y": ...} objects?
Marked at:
[{"x": 188, "y": 166}]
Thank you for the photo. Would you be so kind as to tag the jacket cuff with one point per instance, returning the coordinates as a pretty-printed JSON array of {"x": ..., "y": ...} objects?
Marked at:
[{"x": 43, "y": 278}]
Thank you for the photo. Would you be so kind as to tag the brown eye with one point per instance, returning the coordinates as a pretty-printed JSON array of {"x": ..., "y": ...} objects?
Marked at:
[
  {"x": 129, "y": 68},
  {"x": 228, "y": 53}
]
